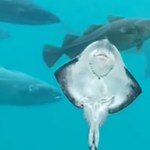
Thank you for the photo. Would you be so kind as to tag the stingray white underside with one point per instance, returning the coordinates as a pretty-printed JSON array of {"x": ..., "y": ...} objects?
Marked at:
[
  {"x": 100, "y": 89},
  {"x": 85, "y": 87}
]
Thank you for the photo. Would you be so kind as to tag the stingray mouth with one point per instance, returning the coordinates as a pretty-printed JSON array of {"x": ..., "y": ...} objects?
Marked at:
[
  {"x": 101, "y": 63},
  {"x": 103, "y": 56}
]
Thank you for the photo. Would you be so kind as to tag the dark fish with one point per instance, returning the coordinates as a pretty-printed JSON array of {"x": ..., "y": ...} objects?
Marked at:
[
  {"x": 98, "y": 82},
  {"x": 24, "y": 12},
  {"x": 123, "y": 33},
  {"x": 17, "y": 88}
]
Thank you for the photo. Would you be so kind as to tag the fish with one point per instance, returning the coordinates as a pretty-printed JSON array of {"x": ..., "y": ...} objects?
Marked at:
[
  {"x": 26, "y": 13},
  {"x": 20, "y": 89},
  {"x": 124, "y": 33},
  {"x": 98, "y": 82},
  {"x": 4, "y": 34}
]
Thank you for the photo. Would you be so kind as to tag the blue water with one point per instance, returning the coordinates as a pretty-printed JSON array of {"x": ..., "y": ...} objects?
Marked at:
[{"x": 61, "y": 126}]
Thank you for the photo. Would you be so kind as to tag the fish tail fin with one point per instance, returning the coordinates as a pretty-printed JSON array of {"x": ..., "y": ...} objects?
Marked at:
[{"x": 51, "y": 54}]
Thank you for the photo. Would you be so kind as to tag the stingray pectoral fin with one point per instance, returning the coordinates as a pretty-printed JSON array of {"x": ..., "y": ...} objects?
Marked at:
[
  {"x": 130, "y": 91},
  {"x": 63, "y": 77},
  {"x": 51, "y": 54}
]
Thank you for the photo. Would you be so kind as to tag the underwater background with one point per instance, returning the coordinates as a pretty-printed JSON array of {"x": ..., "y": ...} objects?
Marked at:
[{"x": 60, "y": 125}]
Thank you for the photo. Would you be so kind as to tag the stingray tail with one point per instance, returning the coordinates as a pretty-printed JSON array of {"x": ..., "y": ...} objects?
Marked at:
[
  {"x": 51, "y": 54},
  {"x": 93, "y": 138},
  {"x": 95, "y": 115}
]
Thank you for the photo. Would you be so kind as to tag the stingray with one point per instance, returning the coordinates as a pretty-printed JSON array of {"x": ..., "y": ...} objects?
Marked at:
[{"x": 98, "y": 82}]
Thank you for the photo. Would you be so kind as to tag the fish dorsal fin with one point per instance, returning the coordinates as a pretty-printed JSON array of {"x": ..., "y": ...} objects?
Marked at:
[
  {"x": 92, "y": 29},
  {"x": 69, "y": 39},
  {"x": 114, "y": 18}
]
